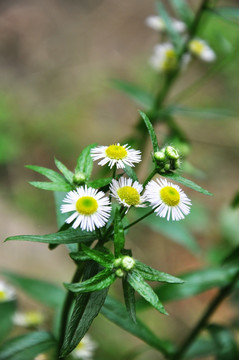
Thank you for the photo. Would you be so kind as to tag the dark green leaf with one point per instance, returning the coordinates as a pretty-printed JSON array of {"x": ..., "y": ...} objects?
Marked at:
[
  {"x": 99, "y": 183},
  {"x": 79, "y": 256},
  {"x": 183, "y": 10},
  {"x": 151, "y": 274},
  {"x": 44, "y": 185},
  {"x": 102, "y": 257},
  {"x": 7, "y": 310},
  {"x": 200, "y": 348},
  {"x": 27, "y": 346},
  {"x": 85, "y": 162},
  {"x": 69, "y": 236},
  {"x": 66, "y": 172},
  {"x": 130, "y": 172},
  {"x": 138, "y": 283},
  {"x": 226, "y": 346},
  {"x": 140, "y": 96},
  {"x": 129, "y": 299},
  {"x": 50, "y": 174},
  {"x": 151, "y": 131},
  {"x": 115, "y": 312},
  {"x": 235, "y": 201},
  {"x": 187, "y": 182},
  {"x": 45, "y": 292},
  {"x": 119, "y": 239}
]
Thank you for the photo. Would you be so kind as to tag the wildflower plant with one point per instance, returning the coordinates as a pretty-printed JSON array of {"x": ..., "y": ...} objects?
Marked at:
[{"x": 93, "y": 219}]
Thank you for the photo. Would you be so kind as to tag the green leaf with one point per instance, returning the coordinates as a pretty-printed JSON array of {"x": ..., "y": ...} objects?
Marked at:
[
  {"x": 69, "y": 236},
  {"x": 115, "y": 312},
  {"x": 7, "y": 310},
  {"x": 44, "y": 185},
  {"x": 200, "y": 348},
  {"x": 119, "y": 239},
  {"x": 202, "y": 113},
  {"x": 138, "y": 283},
  {"x": 66, "y": 172},
  {"x": 129, "y": 299},
  {"x": 79, "y": 256},
  {"x": 140, "y": 96},
  {"x": 98, "y": 282},
  {"x": 235, "y": 201},
  {"x": 228, "y": 13},
  {"x": 183, "y": 10},
  {"x": 103, "y": 258},
  {"x": 45, "y": 292},
  {"x": 85, "y": 162},
  {"x": 151, "y": 274},
  {"x": 130, "y": 172},
  {"x": 99, "y": 183},
  {"x": 151, "y": 131},
  {"x": 186, "y": 182},
  {"x": 50, "y": 174},
  {"x": 87, "y": 307},
  {"x": 226, "y": 345},
  {"x": 26, "y": 347}
]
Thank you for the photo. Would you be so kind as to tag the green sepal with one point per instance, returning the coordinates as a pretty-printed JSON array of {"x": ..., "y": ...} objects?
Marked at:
[
  {"x": 7, "y": 310},
  {"x": 52, "y": 186},
  {"x": 66, "y": 172},
  {"x": 50, "y": 174},
  {"x": 104, "y": 257},
  {"x": 85, "y": 162},
  {"x": 119, "y": 239},
  {"x": 137, "y": 282},
  {"x": 151, "y": 274},
  {"x": 151, "y": 131},
  {"x": 225, "y": 343},
  {"x": 98, "y": 282},
  {"x": 129, "y": 299},
  {"x": 186, "y": 182}
]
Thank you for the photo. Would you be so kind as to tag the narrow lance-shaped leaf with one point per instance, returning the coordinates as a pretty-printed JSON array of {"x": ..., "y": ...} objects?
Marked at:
[
  {"x": 138, "y": 283},
  {"x": 130, "y": 172},
  {"x": 99, "y": 183},
  {"x": 119, "y": 239},
  {"x": 226, "y": 345},
  {"x": 7, "y": 310},
  {"x": 129, "y": 299},
  {"x": 66, "y": 172},
  {"x": 151, "y": 131},
  {"x": 44, "y": 185},
  {"x": 151, "y": 274},
  {"x": 50, "y": 174},
  {"x": 183, "y": 10},
  {"x": 103, "y": 258},
  {"x": 85, "y": 162}
]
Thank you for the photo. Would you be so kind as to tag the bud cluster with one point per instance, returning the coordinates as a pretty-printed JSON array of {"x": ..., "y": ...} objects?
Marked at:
[
  {"x": 167, "y": 159},
  {"x": 123, "y": 264}
]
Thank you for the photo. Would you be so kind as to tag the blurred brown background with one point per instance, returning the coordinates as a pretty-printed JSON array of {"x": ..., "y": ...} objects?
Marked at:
[{"x": 57, "y": 57}]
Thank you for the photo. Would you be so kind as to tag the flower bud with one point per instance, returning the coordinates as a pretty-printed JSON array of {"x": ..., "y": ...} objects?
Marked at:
[
  {"x": 171, "y": 153},
  {"x": 79, "y": 178},
  {"x": 127, "y": 263},
  {"x": 159, "y": 156},
  {"x": 119, "y": 273},
  {"x": 167, "y": 167}
]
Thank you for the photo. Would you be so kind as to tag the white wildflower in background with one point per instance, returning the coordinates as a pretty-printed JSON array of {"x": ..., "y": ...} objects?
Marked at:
[
  {"x": 30, "y": 318},
  {"x": 127, "y": 192},
  {"x": 157, "y": 23},
  {"x": 41, "y": 357},
  {"x": 85, "y": 349},
  {"x": 91, "y": 208},
  {"x": 202, "y": 50},
  {"x": 167, "y": 199},
  {"x": 7, "y": 292},
  {"x": 164, "y": 58},
  {"x": 116, "y": 154}
]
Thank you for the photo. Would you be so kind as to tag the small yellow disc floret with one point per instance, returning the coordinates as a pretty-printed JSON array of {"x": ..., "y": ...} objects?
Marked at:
[
  {"x": 86, "y": 205},
  {"x": 3, "y": 295},
  {"x": 116, "y": 152},
  {"x": 170, "y": 196},
  {"x": 129, "y": 194},
  {"x": 196, "y": 47}
]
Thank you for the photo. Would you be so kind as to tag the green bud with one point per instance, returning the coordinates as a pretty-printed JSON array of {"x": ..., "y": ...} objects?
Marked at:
[
  {"x": 127, "y": 263},
  {"x": 171, "y": 153},
  {"x": 119, "y": 273},
  {"x": 159, "y": 156},
  {"x": 79, "y": 178},
  {"x": 117, "y": 262},
  {"x": 167, "y": 167},
  {"x": 177, "y": 164}
]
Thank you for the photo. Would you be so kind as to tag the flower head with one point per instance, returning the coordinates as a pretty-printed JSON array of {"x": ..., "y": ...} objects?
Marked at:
[
  {"x": 116, "y": 154},
  {"x": 157, "y": 23},
  {"x": 41, "y": 357},
  {"x": 84, "y": 349},
  {"x": 7, "y": 292},
  {"x": 164, "y": 58},
  {"x": 202, "y": 50},
  {"x": 167, "y": 199},
  {"x": 28, "y": 318},
  {"x": 91, "y": 208},
  {"x": 127, "y": 192}
]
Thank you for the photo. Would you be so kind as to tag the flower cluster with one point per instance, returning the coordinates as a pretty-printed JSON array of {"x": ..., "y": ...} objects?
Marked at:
[{"x": 91, "y": 208}]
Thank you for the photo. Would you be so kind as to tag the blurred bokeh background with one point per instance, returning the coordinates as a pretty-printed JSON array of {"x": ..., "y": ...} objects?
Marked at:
[{"x": 57, "y": 59}]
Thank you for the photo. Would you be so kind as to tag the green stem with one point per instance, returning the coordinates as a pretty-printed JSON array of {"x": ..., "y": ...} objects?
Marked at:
[
  {"x": 139, "y": 219},
  {"x": 217, "y": 300}
]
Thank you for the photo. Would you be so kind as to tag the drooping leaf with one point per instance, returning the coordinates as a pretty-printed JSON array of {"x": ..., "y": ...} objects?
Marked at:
[
  {"x": 129, "y": 299},
  {"x": 85, "y": 162},
  {"x": 138, "y": 283},
  {"x": 66, "y": 172},
  {"x": 43, "y": 291},
  {"x": 50, "y": 174},
  {"x": 140, "y": 96},
  {"x": 51, "y": 186},
  {"x": 115, "y": 312},
  {"x": 225, "y": 343},
  {"x": 7, "y": 310},
  {"x": 104, "y": 257},
  {"x": 151, "y": 131},
  {"x": 183, "y": 10},
  {"x": 186, "y": 182},
  {"x": 119, "y": 239},
  {"x": 26, "y": 347},
  {"x": 151, "y": 274}
]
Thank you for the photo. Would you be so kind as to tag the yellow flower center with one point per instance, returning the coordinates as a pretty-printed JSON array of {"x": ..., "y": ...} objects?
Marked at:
[
  {"x": 116, "y": 152},
  {"x": 80, "y": 346},
  {"x": 3, "y": 295},
  {"x": 196, "y": 47},
  {"x": 170, "y": 61},
  {"x": 34, "y": 318},
  {"x": 129, "y": 194},
  {"x": 86, "y": 205},
  {"x": 170, "y": 196}
]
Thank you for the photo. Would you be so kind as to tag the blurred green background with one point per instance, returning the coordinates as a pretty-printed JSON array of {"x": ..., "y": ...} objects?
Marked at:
[{"x": 57, "y": 59}]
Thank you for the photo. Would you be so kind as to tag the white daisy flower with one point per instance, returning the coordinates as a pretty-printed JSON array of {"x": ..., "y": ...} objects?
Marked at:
[
  {"x": 164, "y": 58},
  {"x": 30, "y": 318},
  {"x": 202, "y": 50},
  {"x": 7, "y": 292},
  {"x": 41, "y": 357},
  {"x": 127, "y": 192},
  {"x": 116, "y": 154},
  {"x": 167, "y": 199},
  {"x": 91, "y": 208},
  {"x": 157, "y": 23},
  {"x": 85, "y": 349}
]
